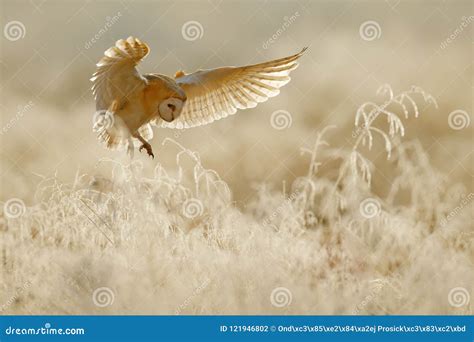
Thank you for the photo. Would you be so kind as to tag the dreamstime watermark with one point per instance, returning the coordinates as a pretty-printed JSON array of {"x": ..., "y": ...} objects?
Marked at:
[
  {"x": 281, "y": 119},
  {"x": 281, "y": 297},
  {"x": 22, "y": 110},
  {"x": 109, "y": 22},
  {"x": 459, "y": 297},
  {"x": 358, "y": 130},
  {"x": 103, "y": 296},
  {"x": 14, "y": 208},
  {"x": 465, "y": 200},
  {"x": 458, "y": 119},
  {"x": 102, "y": 119},
  {"x": 14, "y": 30},
  {"x": 281, "y": 208},
  {"x": 16, "y": 296},
  {"x": 192, "y": 30},
  {"x": 192, "y": 208},
  {"x": 196, "y": 292},
  {"x": 384, "y": 219},
  {"x": 380, "y": 284},
  {"x": 370, "y": 30},
  {"x": 369, "y": 208},
  {"x": 46, "y": 330},
  {"x": 465, "y": 21},
  {"x": 287, "y": 22}
]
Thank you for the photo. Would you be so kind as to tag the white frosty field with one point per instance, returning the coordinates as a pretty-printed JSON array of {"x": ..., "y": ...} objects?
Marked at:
[
  {"x": 331, "y": 198},
  {"x": 174, "y": 243}
]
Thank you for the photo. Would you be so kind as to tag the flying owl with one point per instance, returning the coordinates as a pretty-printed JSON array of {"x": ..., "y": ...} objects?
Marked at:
[{"x": 127, "y": 103}]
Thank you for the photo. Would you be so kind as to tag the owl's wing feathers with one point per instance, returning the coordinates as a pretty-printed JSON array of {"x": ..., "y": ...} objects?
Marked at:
[
  {"x": 116, "y": 76},
  {"x": 218, "y": 93}
]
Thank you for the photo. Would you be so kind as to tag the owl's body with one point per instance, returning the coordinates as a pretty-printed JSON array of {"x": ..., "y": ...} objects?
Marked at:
[
  {"x": 128, "y": 102},
  {"x": 142, "y": 104}
]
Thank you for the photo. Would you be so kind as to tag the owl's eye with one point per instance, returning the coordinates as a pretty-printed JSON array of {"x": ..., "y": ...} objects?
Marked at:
[{"x": 171, "y": 106}]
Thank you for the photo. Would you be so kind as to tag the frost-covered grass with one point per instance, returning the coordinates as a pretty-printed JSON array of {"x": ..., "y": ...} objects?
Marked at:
[{"x": 175, "y": 243}]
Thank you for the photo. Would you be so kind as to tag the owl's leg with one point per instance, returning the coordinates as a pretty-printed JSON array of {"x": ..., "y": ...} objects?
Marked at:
[
  {"x": 145, "y": 145},
  {"x": 130, "y": 148}
]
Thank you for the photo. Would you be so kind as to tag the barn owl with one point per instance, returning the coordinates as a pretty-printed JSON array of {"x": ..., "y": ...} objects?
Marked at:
[{"x": 127, "y": 103}]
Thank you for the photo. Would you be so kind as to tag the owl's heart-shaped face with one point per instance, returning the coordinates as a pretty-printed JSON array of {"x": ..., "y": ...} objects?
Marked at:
[{"x": 170, "y": 109}]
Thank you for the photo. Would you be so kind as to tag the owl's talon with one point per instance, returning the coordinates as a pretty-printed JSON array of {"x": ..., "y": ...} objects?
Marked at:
[{"x": 148, "y": 149}]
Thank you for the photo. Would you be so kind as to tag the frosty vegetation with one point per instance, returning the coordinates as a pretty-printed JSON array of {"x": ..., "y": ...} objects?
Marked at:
[{"x": 176, "y": 243}]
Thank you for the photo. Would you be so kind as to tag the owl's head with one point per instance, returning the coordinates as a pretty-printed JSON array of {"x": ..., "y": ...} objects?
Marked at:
[
  {"x": 170, "y": 109},
  {"x": 163, "y": 92}
]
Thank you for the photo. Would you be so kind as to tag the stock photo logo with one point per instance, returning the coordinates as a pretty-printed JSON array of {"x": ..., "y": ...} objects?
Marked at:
[
  {"x": 16, "y": 297},
  {"x": 14, "y": 208},
  {"x": 20, "y": 113},
  {"x": 192, "y": 30},
  {"x": 459, "y": 297},
  {"x": 103, "y": 297},
  {"x": 281, "y": 297},
  {"x": 287, "y": 22},
  {"x": 459, "y": 119},
  {"x": 197, "y": 291},
  {"x": 192, "y": 208},
  {"x": 102, "y": 120},
  {"x": 370, "y": 30},
  {"x": 370, "y": 208},
  {"x": 465, "y": 22},
  {"x": 464, "y": 201},
  {"x": 14, "y": 30},
  {"x": 281, "y": 119},
  {"x": 109, "y": 22},
  {"x": 376, "y": 288}
]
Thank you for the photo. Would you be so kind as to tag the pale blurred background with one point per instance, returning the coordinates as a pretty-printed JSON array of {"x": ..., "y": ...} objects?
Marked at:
[{"x": 47, "y": 107}]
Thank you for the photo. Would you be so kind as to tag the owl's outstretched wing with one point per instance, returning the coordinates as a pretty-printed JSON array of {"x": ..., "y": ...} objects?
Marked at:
[
  {"x": 218, "y": 93},
  {"x": 116, "y": 76}
]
